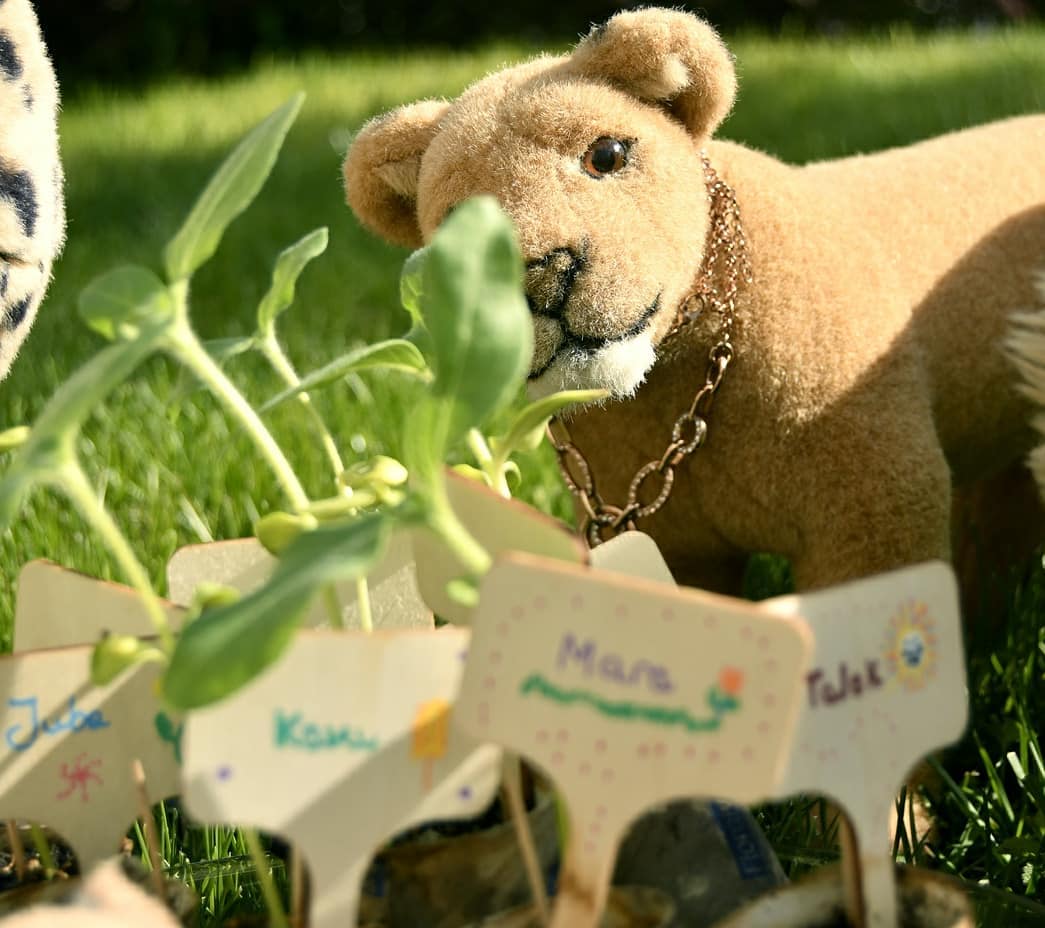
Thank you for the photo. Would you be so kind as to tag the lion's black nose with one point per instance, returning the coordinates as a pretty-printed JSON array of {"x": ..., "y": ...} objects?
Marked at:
[{"x": 549, "y": 281}]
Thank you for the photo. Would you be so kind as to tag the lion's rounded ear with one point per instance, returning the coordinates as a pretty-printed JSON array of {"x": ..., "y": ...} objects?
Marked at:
[
  {"x": 382, "y": 166},
  {"x": 666, "y": 57}
]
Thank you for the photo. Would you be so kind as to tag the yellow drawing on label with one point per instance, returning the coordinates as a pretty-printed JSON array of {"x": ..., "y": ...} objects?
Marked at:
[
  {"x": 431, "y": 732},
  {"x": 910, "y": 645}
]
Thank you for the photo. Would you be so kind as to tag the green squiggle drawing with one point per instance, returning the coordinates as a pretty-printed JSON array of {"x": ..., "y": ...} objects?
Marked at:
[{"x": 719, "y": 702}]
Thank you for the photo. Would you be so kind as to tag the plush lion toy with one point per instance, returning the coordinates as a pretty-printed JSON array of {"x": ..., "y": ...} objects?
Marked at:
[{"x": 846, "y": 316}]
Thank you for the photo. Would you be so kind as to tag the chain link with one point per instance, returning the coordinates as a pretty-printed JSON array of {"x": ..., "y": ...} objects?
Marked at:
[{"x": 724, "y": 269}]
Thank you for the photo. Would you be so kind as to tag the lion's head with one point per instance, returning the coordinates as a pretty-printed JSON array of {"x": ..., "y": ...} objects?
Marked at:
[{"x": 596, "y": 157}]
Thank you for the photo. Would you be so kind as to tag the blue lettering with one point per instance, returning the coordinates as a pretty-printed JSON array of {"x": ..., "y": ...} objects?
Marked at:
[
  {"x": 73, "y": 720},
  {"x": 34, "y": 725}
]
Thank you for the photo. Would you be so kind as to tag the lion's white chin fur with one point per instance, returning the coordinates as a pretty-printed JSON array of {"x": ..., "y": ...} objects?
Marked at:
[{"x": 619, "y": 367}]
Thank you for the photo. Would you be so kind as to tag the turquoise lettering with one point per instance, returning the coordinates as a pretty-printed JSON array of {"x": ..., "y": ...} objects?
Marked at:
[
  {"x": 292, "y": 732},
  {"x": 285, "y": 728}
]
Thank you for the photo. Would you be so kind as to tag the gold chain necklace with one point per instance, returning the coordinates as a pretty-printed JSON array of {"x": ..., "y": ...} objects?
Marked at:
[{"x": 725, "y": 263}]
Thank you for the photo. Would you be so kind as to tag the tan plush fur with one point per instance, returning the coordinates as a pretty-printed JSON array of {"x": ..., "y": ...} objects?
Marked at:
[
  {"x": 870, "y": 394},
  {"x": 32, "y": 209}
]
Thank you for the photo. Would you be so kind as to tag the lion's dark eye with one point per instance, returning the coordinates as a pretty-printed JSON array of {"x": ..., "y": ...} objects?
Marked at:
[{"x": 605, "y": 156}]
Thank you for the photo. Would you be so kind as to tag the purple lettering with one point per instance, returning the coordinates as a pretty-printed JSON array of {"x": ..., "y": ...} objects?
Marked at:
[
  {"x": 569, "y": 650},
  {"x": 872, "y": 674},
  {"x": 812, "y": 679},
  {"x": 660, "y": 680},
  {"x": 612, "y": 668}
]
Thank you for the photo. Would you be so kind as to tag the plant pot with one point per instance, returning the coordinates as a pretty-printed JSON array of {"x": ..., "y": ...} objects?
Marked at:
[
  {"x": 626, "y": 907},
  {"x": 709, "y": 857},
  {"x": 449, "y": 881},
  {"x": 927, "y": 900}
]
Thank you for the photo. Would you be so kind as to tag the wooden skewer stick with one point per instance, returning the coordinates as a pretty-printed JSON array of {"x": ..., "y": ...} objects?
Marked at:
[
  {"x": 297, "y": 889},
  {"x": 511, "y": 775},
  {"x": 17, "y": 849},
  {"x": 151, "y": 838},
  {"x": 852, "y": 876}
]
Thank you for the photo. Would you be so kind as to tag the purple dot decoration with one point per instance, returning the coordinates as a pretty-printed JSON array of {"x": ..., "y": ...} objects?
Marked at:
[
  {"x": 224, "y": 773},
  {"x": 464, "y": 793}
]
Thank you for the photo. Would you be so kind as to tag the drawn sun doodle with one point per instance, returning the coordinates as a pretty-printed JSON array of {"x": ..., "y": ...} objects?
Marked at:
[{"x": 910, "y": 645}]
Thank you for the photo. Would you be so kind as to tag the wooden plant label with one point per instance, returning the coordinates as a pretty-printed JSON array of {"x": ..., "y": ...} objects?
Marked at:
[
  {"x": 346, "y": 741},
  {"x": 633, "y": 554},
  {"x": 244, "y": 565},
  {"x": 67, "y": 747},
  {"x": 628, "y": 693},
  {"x": 57, "y": 607},
  {"x": 499, "y": 525},
  {"x": 885, "y": 688}
]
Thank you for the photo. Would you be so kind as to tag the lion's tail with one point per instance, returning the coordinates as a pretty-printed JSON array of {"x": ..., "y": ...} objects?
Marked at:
[{"x": 1025, "y": 345}]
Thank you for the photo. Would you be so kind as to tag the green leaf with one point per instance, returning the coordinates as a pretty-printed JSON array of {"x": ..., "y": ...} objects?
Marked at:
[
  {"x": 51, "y": 441},
  {"x": 230, "y": 191},
  {"x": 476, "y": 313},
  {"x": 394, "y": 354},
  {"x": 119, "y": 301},
  {"x": 222, "y": 349},
  {"x": 527, "y": 429},
  {"x": 227, "y": 647},
  {"x": 289, "y": 265},
  {"x": 411, "y": 284}
]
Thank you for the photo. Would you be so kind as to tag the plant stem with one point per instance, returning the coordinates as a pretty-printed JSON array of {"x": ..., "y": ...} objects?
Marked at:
[
  {"x": 333, "y": 607},
  {"x": 43, "y": 850},
  {"x": 492, "y": 465},
  {"x": 442, "y": 520},
  {"x": 187, "y": 349},
  {"x": 73, "y": 481},
  {"x": 277, "y": 916},
  {"x": 366, "y": 617},
  {"x": 275, "y": 355},
  {"x": 479, "y": 448}
]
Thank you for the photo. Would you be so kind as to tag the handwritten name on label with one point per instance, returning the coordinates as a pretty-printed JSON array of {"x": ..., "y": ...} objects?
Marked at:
[
  {"x": 291, "y": 731},
  {"x": 340, "y": 791},
  {"x": 891, "y": 690},
  {"x": 906, "y": 656},
  {"x": 850, "y": 683},
  {"x": 69, "y": 747},
  {"x": 887, "y": 683},
  {"x": 72, "y": 720},
  {"x": 605, "y": 703},
  {"x": 598, "y": 708},
  {"x": 612, "y": 667}
]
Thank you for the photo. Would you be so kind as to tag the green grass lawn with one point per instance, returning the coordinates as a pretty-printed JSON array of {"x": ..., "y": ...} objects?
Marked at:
[{"x": 174, "y": 471}]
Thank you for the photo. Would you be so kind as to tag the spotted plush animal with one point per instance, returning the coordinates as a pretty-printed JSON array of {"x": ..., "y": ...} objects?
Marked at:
[{"x": 32, "y": 208}]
